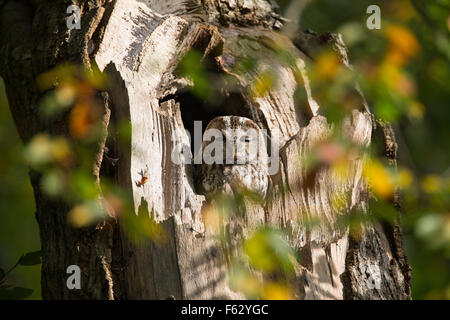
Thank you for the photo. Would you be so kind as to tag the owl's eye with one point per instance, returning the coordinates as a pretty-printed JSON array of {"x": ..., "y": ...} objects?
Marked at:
[{"x": 246, "y": 139}]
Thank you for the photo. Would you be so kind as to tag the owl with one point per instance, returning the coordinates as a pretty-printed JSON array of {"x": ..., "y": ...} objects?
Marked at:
[{"x": 234, "y": 156}]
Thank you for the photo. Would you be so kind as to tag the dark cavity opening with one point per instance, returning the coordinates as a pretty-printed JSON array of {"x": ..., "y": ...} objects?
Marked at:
[
  {"x": 195, "y": 109},
  {"x": 213, "y": 94}
]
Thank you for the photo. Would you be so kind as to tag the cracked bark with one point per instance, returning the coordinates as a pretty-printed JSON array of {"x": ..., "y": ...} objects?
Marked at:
[{"x": 139, "y": 45}]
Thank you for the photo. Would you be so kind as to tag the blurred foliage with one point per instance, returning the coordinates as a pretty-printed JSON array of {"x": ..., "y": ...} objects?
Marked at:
[
  {"x": 193, "y": 67},
  {"x": 10, "y": 292},
  {"x": 261, "y": 263},
  {"x": 404, "y": 72}
]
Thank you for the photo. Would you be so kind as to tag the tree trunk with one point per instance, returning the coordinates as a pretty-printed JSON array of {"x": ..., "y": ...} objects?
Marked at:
[{"x": 139, "y": 44}]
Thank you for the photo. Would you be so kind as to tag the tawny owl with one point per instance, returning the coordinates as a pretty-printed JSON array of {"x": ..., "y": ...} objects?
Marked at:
[{"x": 234, "y": 155}]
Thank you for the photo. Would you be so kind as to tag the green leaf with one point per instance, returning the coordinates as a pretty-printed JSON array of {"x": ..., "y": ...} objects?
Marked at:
[
  {"x": 192, "y": 68},
  {"x": 268, "y": 251},
  {"x": 2, "y": 274},
  {"x": 14, "y": 293},
  {"x": 31, "y": 258}
]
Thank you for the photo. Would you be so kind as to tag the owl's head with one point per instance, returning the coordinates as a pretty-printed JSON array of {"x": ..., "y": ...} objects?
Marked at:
[{"x": 233, "y": 140}]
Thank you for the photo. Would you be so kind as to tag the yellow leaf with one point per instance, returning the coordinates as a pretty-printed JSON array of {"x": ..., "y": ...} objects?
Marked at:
[
  {"x": 402, "y": 44},
  {"x": 431, "y": 183},
  {"x": 327, "y": 65},
  {"x": 51, "y": 78},
  {"x": 416, "y": 110},
  {"x": 60, "y": 149},
  {"x": 379, "y": 179},
  {"x": 262, "y": 84},
  {"x": 405, "y": 178},
  {"x": 276, "y": 291},
  {"x": 80, "y": 216},
  {"x": 80, "y": 121},
  {"x": 65, "y": 94},
  {"x": 39, "y": 150},
  {"x": 260, "y": 253},
  {"x": 390, "y": 74},
  {"x": 246, "y": 283}
]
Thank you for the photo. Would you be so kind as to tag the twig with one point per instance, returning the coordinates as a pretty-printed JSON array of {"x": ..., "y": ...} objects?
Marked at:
[{"x": 11, "y": 269}]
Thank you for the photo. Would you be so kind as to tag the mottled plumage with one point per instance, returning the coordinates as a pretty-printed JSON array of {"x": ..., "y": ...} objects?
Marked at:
[{"x": 249, "y": 168}]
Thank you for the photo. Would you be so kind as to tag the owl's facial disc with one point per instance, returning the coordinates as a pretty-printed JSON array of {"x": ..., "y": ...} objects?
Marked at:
[
  {"x": 234, "y": 141},
  {"x": 234, "y": 154}
]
